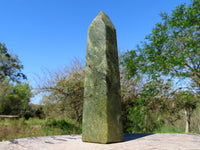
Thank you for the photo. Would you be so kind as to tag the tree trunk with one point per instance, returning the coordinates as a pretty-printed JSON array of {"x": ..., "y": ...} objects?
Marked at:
[{"x": 187, "y": 121}]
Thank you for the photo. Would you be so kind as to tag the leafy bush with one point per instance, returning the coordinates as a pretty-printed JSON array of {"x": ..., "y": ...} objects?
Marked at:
[{"x": 64, "y": 126}]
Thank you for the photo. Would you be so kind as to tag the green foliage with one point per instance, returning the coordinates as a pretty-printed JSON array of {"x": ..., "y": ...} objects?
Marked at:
[
  {"x": 170, "y": 129},
  {"x": 71, "y": 95},
  {"x": 50, "y": 122},
  {"x": 65, "y": 127},
  {"x": 187, "y": 100},
  {"x": 195, "y": 121},
  {"x": 10, "y": 66},
  {"x": 34, "y": 111},
  {"x": 10, "y": 129},
  {"x": 65, "y": 92},
  {"x": 21, "y": 128},
  {"x": 145, "y": 115},
  {"x": 14, "y": 94},
  {"x": 15, "y": 100},
  {"x": 172, "y": 48}
]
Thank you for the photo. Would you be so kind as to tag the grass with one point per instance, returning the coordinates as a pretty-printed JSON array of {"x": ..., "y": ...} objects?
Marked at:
[
  {"x": 34, "y": 127},
  {"x": 170, "y": 129}
]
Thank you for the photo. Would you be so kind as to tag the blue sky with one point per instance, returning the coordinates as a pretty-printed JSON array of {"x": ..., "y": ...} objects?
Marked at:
[{"x": 50, "y": 33}]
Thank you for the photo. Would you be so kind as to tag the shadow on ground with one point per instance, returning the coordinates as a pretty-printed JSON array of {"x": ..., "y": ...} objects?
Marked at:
[
  {"x": 52, "y": 139},
  {"x": 129, "y": 137}
]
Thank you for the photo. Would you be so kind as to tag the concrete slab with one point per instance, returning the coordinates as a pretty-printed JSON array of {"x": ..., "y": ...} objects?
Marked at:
[{"x": 131, "y": 142}]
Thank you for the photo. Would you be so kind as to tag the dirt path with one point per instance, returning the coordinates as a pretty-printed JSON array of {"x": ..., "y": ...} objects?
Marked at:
[{"x": 131, "y": 142}]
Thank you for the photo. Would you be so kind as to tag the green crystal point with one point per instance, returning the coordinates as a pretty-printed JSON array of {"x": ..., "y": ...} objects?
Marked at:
[{"x": 102, "y": 97}]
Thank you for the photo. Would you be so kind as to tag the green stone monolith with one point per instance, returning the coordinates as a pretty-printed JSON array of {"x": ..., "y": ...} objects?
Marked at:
[{"x": 102, "y": 121}]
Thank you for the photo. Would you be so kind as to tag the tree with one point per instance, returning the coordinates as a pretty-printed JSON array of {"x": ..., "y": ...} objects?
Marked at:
[
  {"x": 64, "y": 91},
  {"x": 14, "y": 94},
  {"x": 146, "y": 113},
  {"x": 10, "y": 66},
  {"x": 187, "y": 101},
  {"x": 171, "y": 50},
  {"x": 15, "y": 100},
  {"x": 35, "y": 110},
  {"x": 130, "y": 89},
  {"x": 4, "y": 90},
  {"x": 173, "y": 47}
]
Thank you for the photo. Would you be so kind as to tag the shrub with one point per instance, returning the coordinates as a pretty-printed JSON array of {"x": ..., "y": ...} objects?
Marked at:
[{"x": 64, "y": 126}]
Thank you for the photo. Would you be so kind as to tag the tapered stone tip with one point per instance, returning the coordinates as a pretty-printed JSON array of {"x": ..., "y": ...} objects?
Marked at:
[
  {"x": 101, "y": 13},
  {"x": 103, "y": 17}
]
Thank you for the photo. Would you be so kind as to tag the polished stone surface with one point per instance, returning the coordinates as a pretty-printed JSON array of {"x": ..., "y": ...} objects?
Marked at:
[{"x": 102, "y": 100}]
